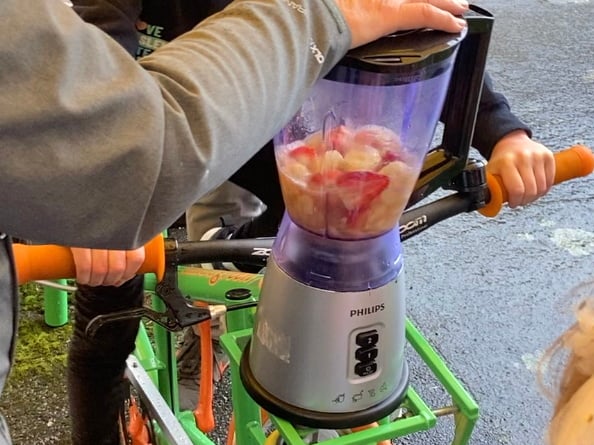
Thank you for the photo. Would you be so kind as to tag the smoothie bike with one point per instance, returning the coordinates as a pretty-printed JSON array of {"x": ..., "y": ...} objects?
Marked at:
[{"x": 317, "y": 341}]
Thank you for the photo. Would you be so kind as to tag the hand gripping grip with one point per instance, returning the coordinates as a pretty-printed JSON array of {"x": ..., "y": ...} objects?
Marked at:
[
  {"x": 570, "y": 163},
  {"x": 52, "y": 262}
]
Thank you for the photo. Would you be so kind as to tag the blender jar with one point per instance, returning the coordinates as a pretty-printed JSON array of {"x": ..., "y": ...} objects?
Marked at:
[{"x": 350, "y": 157}]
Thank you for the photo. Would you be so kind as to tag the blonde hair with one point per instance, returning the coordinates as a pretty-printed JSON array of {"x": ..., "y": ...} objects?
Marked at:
[{"x": 566, "y": 375}]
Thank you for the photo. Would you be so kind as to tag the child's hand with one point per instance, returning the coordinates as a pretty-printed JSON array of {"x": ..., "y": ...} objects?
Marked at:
[
  {"x": 526, "y": 167},
  {"x": 97, "y": 267}
]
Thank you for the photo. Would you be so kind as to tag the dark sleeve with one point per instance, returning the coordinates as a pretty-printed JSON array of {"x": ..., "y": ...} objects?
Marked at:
[
  {"x": 114, "y": 17},
  {"x": 494, "y": 120}
]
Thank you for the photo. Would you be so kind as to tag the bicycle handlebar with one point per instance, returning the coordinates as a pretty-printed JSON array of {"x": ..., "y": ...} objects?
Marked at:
[
  {"x": 571, "y": 163},
  {"x": 50, "y": 262},
  {"x": 46, "y": 262}
]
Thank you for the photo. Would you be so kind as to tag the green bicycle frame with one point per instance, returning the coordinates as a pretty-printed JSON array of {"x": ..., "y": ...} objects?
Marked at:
[{"x": 156, "y": 354}]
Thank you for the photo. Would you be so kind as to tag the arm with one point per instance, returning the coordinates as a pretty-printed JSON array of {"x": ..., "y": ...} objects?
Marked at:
[
  {"x": 494, "y": 119},
  {"x": 88, "y": 156},
  {"x": 526, "y": 167},
  {"x": 114, "y": 174}
]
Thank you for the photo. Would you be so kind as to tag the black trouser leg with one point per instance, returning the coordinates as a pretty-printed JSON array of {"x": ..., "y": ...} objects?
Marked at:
[{"x": 96, "y": 365}]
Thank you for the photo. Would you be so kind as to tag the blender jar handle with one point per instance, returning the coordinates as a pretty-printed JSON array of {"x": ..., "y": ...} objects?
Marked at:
[{"x": 459, "y": 115}]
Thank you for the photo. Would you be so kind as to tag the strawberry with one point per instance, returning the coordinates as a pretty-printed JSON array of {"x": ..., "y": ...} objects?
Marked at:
[
  {"x": 303, "y": 152},
  {"x": 324, "y": 179},
  {"x": 357, "y": 190},
  {"x": 307, "y": 156},
  {"x": 390, "y": 156}
]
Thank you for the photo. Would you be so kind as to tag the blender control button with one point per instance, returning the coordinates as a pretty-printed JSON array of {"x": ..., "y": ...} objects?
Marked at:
[
  {"x": 366, "y": 354},
  {"x": 365, "y": 368},
  {"x": 367, "y": 338}
]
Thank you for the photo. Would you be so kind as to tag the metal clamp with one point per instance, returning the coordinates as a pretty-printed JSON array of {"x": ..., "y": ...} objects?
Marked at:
[{"x": 179, "y": 312}]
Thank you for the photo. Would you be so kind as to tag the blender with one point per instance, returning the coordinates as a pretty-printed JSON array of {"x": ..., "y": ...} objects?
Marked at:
[{"x": 327, "y": 349}]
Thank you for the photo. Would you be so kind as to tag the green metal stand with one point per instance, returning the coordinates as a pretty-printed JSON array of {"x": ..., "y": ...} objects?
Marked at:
[
  {"x": 418, "y": 416},
  {"x": 55, "y": 302},
  {"x": 414, "y": 417}
]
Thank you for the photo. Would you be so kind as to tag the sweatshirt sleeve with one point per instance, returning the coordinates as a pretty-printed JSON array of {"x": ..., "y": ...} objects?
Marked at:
[
  {"x": 116, "y": 17},
  {"x": 494, "y": 120},
  {"x": 100, "y": 150}
]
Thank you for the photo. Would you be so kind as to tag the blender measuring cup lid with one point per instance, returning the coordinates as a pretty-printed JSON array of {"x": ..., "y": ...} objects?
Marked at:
[{"x": 404, "y": 57}]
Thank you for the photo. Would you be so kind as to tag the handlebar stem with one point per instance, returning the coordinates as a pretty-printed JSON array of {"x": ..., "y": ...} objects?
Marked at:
[
  {"x": 472, "y": 180},
  {"x": 471, "y": 194}
]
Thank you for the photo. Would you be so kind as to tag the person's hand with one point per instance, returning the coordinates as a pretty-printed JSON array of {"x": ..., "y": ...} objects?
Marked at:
[
  {"x": 526, "y": 167},
  {"x": 97, "y": 267},
  {"x": 369, "y": 20}
]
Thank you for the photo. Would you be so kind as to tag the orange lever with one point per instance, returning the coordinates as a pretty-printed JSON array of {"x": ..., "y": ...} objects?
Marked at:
[
  {"x": 570, "y": 163},
  {"x": 52, "y": 262},
  {"x": 204, "y": 414},
  {"x": 137, "y": 428}
]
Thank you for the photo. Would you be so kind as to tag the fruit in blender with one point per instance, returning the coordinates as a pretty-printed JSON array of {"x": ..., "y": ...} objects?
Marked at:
[{"x": 348, "y": 183}]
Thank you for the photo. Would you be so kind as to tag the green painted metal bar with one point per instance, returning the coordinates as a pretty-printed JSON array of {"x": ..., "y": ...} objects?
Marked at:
[
  {"x": 165, "y": 353},
  {"x": 202, "y": 284},
  {"x": 423, "y": 419},
  {"x": 469, "y": 410},
  {"x": 463, "y": 428},
  {"x": 453, "y": 386},
  {"x": 417, "y": 405},
  {"x": 188, "y": 422},
  {"x": 55, "y": 303},
  {"x": 256, "y": 432},
  {"x": 238, "y": 320},
  {"x": 146, "y": 355},
  {"x": 246, "y": 412}
]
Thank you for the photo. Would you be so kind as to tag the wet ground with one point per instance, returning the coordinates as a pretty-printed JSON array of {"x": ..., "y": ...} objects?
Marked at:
[{"x": 34, "y": 399}]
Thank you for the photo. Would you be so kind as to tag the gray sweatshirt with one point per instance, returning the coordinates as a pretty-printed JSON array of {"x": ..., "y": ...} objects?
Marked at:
[
  {"x": 102, "y": 151},
  {"x": 98, "y": 150}
]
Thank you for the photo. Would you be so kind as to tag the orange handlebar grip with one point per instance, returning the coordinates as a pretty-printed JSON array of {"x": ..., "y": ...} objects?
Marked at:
[
  {"x": 42, "y": 262},
  {"x": 52, "y": 262},
  {"x": 571, "y": 163},
  {"x": 574, "y": 162},
  {"x": 154, "y": 261}
]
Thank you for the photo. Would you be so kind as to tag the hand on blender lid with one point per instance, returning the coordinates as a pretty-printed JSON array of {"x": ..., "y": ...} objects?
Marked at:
[{"x": 369, "y": 20}]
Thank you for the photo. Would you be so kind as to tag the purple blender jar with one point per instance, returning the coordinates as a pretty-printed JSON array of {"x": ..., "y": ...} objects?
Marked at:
[{"x": 327, "y": 349}]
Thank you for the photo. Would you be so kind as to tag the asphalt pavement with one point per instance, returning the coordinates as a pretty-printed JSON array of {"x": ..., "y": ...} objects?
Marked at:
[{"x": 492, "y": 294}]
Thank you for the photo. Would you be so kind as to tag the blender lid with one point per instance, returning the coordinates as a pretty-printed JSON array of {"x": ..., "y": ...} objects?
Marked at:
[{"x": 407, "y": 56}]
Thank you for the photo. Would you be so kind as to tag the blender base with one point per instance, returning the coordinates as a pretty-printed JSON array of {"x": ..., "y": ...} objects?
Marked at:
[{"x": 315, "y": 419}]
